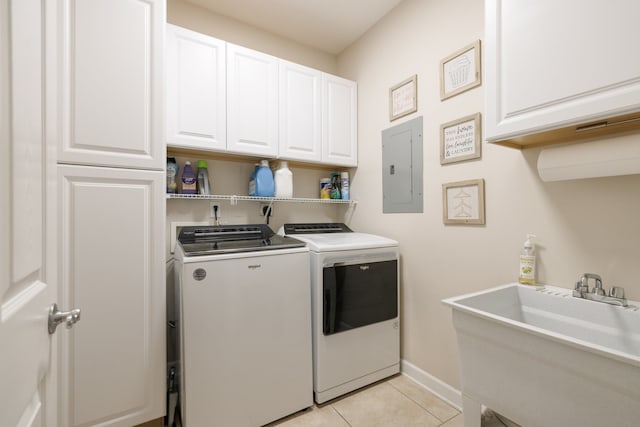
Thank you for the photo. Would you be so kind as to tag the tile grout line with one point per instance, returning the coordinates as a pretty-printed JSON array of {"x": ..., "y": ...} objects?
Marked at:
[
  {"x": 340, "y": 415},
  {"x": 418, "y": 403}
]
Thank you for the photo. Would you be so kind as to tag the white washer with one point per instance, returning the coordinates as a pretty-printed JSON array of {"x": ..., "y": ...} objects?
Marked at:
[
  {"x": 245, "y": 326},
  {"x": 355, "y": 307}
]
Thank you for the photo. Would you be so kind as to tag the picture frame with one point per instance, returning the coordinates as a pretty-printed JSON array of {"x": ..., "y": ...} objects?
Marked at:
[
  {"x": 461, "y": 139},
  {"x": 461, "y": 71},
  {"x": 463, "y": 202},
  {"x": 403, "y": 98}
]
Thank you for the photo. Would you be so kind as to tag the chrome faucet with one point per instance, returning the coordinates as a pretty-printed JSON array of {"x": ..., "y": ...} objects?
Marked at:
[{"x": 598, "y": 293}]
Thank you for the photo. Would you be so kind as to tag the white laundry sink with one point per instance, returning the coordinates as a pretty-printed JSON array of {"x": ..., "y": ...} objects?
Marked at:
[{"x": 543, "y": 357}]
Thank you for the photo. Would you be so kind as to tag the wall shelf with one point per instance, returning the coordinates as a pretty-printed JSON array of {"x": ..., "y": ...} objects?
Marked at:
[{"x": 233, "y": 199}]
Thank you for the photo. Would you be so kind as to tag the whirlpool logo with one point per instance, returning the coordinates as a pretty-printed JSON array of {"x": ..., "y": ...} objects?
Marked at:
[
  {"x": 254, "y": 266},
  {"x": 364, "y": 267}
]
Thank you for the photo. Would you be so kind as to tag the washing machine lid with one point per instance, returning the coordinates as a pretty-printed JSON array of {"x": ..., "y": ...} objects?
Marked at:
[
  {"x": 225, "y": 239},
  {"x": 328, "y": 237}
]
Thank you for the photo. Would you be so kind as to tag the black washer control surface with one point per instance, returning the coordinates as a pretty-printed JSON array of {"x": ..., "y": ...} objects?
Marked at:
[{"x": 222, "y": 239}]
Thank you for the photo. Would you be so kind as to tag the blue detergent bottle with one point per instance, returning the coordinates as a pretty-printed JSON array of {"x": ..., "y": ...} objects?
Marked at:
[
  {"x": 265, "y": 185},
  {"x": 252, "y": 180}
]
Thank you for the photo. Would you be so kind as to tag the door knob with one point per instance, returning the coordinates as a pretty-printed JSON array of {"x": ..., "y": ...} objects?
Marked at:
[{"x": 56, "y": 317}]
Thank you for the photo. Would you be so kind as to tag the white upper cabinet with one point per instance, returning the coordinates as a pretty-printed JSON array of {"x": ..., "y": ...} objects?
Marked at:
[
  {"x": 339, "y": 121},
  {"x": 111, "y": 71},
  {"x": 300, "y": 113},
  {"x": 551, "y": 65},
  {"x": 196, "y": 90},
  {"x": 227, "y": 98},
  {"x": 252, "y": 102}
]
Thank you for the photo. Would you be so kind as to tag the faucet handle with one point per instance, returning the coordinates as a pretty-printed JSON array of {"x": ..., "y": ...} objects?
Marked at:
[
  {"x": 580, "y": 289},
  {"x": 616, "y": 292}
]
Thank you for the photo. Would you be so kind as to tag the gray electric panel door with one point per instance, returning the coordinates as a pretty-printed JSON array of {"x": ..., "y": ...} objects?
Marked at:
[{"x": 402, "y": 168}]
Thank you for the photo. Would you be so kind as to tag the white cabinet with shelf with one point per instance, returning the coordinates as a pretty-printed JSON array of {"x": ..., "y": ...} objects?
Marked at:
[
  {"x": 546, "y": 68},
  {"x": 339, "y": 121},
  {"x": 252, "y": 102},
  {"x": 109, "y": 137},
  {"x": 196, "y": 90},
  {"x": 300, "y": 113}
]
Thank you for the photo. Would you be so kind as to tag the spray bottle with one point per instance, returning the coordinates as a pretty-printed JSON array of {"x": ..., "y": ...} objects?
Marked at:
[{"x": 527, "y": 273}]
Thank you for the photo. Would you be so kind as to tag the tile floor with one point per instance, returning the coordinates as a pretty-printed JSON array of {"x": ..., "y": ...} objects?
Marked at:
[{"x": 395, "y": 402}]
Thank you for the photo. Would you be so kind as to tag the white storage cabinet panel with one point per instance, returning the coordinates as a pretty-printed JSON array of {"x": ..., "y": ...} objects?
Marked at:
[
  {"x": 300, "y": 113},
  {"x": 339, "y": 121},
  {"x": 111, "y": 72},
  {"x": 196, "y": 90},
  {"x": 112, "y": 368},
  {"x": 252, "y": 102},
  {"x": 552, "y": 64}
]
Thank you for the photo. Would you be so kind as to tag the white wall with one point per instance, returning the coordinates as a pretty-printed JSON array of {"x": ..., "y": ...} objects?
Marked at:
[
  {"x": 198, "y": 19},
  {"x": 582, "y": 226}
]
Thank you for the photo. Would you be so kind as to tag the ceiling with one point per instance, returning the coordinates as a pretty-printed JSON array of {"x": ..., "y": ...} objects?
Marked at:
[{"x": 327, "y": 25}]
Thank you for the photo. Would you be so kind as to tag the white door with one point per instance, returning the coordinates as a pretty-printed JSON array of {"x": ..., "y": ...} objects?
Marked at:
[
  {"x": 196, "y": 90},
  {"x": 252, "y": 102},
  {"x": 112, "y": 365},
  {"x": 300, "y": 112},
  {"x": 339, "y": 121},
  {"x": 27, "y": 223},
  {"x": 111, "y": 79}
]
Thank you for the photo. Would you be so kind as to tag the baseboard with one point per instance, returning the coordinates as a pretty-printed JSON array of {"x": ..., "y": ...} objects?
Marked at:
[{"x": 436, "y": 386}]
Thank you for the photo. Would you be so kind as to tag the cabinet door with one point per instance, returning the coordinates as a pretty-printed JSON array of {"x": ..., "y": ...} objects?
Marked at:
[
  {"x": 112, "y": 83},
  {"x": 339, "y": 121},
  {"x": 112, "y": 367},
  {"x": 252, "y": 102},
  {"x": 553, "y": 64},
  {"x": 196, "y": 90},
  {"x": 300, "y": 112}
]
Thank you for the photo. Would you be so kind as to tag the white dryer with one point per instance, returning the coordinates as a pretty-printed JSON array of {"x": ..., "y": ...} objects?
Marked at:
[{"x": 355, "y": 307}]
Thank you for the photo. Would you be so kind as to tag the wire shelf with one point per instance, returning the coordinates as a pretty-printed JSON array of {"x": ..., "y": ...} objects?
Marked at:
[{"x": 234, "y": 199}]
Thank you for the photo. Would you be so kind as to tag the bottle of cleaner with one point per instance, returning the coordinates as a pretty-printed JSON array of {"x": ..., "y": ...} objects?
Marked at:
[
  {"x": 344, "y": 185},
  {"x": 265, "y": 186},
  {"x": 172, "y": 172},
  {"x": 188, "y": 179},
  {"x": 284, "y": 181},
  {"x": 527, "y": 273},
  {"x": 202, "y": 185}
]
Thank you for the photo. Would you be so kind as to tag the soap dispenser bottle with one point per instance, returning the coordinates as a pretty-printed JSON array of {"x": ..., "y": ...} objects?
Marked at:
[{"x": 527, "y": 273}]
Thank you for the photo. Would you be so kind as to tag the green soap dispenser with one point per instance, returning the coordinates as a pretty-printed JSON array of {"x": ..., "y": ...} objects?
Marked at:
[{"x": 527, "y": 273}]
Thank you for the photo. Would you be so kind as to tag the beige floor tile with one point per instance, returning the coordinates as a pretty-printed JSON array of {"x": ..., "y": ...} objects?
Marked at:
[
  {"x": 457, "y": 421},
  {"x": 383, "y": 406},
  {"x": 313, "y": 417},
  {"x": 429, "y": 401}
]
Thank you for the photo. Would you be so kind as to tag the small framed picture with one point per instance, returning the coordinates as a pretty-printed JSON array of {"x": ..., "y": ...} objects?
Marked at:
[
  {"x": 461, "y": 139},
  {"x": 460, "y": 71},
  {"x": 463, "y": 202},
  {"x": 403, "y": 98}
]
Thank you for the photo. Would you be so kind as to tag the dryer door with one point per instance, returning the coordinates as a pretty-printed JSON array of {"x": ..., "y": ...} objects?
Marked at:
[{"x": 356, "y": 295}]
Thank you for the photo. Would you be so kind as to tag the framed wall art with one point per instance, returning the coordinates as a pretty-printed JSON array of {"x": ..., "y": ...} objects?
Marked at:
[
  {"x": 460, "y": 71},
  {"x": 461, "y": 139},
  {"x": 463, "y": 202},
  {"x": 403, "y": 98}
]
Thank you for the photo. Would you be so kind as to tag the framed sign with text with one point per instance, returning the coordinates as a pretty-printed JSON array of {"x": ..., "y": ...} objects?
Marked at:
[
  {"x": 403, "y": 98},
  {"x": 461, "y": 139}
]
